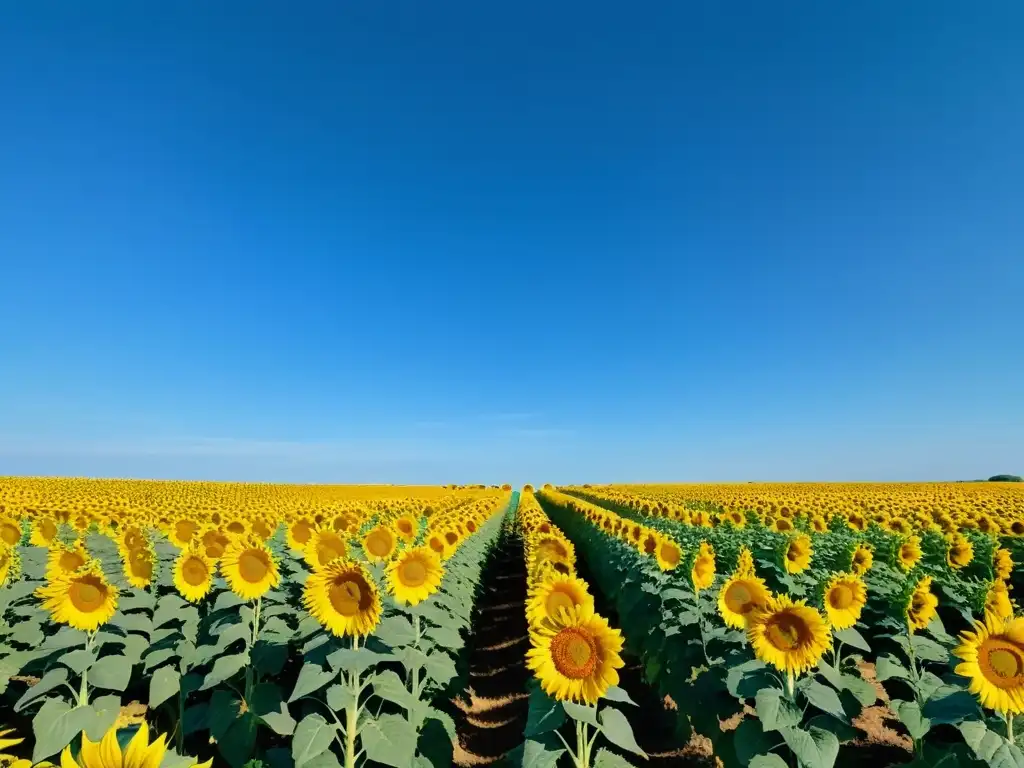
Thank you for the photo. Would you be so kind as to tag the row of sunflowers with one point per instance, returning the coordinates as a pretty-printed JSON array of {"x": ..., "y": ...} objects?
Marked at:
[
  {"x": 787, "y": 619},
  {"x": 306, "y": 627}
]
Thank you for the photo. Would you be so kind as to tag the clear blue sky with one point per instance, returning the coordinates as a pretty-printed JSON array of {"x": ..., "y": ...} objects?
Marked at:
[{"x": 469, "y": 241}]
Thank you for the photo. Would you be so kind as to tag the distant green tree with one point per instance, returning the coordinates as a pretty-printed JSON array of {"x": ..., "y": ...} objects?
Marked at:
[{"x": 1006, "y": 479}]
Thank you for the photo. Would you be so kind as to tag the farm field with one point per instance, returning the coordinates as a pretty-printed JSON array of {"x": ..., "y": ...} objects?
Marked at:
[{"x": 770, "y": 625}]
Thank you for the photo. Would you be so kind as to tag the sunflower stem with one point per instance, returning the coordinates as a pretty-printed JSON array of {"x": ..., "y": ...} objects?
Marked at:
[
  {"x": 352, "y": 715},
  {"x": 416, "y": 644},
  {"x": 791, "y": 685},
  {"x": 83, "y": 691},
  {"x": 1009, "y": 725}
]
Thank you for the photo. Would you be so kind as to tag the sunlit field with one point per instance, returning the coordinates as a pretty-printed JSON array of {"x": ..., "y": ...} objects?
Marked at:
[{"x": 151, "y": 623}]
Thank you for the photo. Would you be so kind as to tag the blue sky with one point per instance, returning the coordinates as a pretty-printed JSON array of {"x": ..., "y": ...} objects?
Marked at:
[{"x": 458, "y": 242}]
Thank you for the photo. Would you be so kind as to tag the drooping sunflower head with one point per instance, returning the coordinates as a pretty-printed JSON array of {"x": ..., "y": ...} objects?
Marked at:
[
  {"x": 959, "y": 551},
  {"x": 702, "y": 573},
  {"x": 791, "y": 636},
  {"x": 909, "y": 553},
  {"x": 921, "y": 605},
  {"x": 249, "y": 568},
  {"x": 343, "y": 597},
  {"x": 414, "y": 575},
  {"x": 193, "y": 574},
  {"x": 578, "y": 660},
  {"x": 138, "y": 565},
  {"x": 844, "y": 598},
  {"x": 797, "y": 556},
  {"x": 379, "y": 544},
  {"x": 140, "y": 752},
  {"x": 1002, "y": 563},
  {"x": 44, "y": 532},
  {"x": 83, "y": 599},
  {"x": 555, "y": 547},
  {"x": 993, "y": 660},
  {"x": 555, "y": 597},
  {"x": 741, "y": 595},
  {"x": 997, "y": 600},
  {"x": 862, "y": 560}
]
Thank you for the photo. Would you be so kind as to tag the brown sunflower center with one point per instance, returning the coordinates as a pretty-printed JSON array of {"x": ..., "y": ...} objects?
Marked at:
[
  {"x": 451, "y": 537},
  {"x": 194, "y": 572},
  {"x": 236, "y": 527},
  {"x": 841, "y": 597},
  {"x": 574, "y": 653},
  {"x": 10, "y": 533},
  {"x": 301, "y": 531},
  {"x": 471, "y": 526},
  {"x": 412, "y": 573},
  {"x": 378, "y": 543},
  {"x": 739, "y": 597},
  {"x": 87, "y": 593},
  {"x": 349, "y": 594},
  {"x": 405, "y": 527},
  {"x": 670, "y": 554},
  {"x": 558, "y": 601},
  {"x": 184, "y": 529},
  {"x": 1002, "y": 662},
  {"x": 71, "y": 561},
  {"x": 253, "y": 565},
  {"x": 329, "y": 547},
  {"x": 436, "y": 544},
  {"x": 786, "y": 632}
]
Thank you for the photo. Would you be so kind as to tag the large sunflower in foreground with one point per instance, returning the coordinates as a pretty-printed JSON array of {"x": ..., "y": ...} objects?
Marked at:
[
  {"x": 82, "y": 599},
  {"x": 578, "y": 660},
  {"x": 791, "y": 636},
  {"x": 993, "y": 660},
  {"x": 844, "y": 599},
  {"x": 343, "y": 598},
  {"x": 556, "y": 597},
  {"x": 414, "y": 575},
  {"x": 921, "y": 605},
  {"x": 107, "y": 753},
  {"x": 379, "y": 544},
  {"x": 249, "y": 568},
  {"x": 740, "y": 596},
  {"x": 193, "y": 574},
  {"x": 703, "y": 571}
]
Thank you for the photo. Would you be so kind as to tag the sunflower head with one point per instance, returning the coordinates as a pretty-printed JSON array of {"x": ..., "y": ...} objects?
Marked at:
[
  {"x": 414, "y": 575},
  {"x": 959, "y": 551},
  {"x": 407, "y": 526},
  {"x": 193, "y": 574},
  {"x": 745, "y": 561},
  {"x": 44, "y": 532},
  {"x": 249, "y": 568},
  {"x": 920, "y": 604},
  {"x": 908, "y": 553},
  {"x": 379, "y": 544},
  {"x": 997, "y": 600},
  {"x": 555, "y": 597},
  {"x": 843, "y": 598},
  {"x": 862, "y": 559},
  {"x": 667, "y": 552},
  {"x": 62, "y": 560},
  {"x": 1002, "y": 563},
  {"x": 993, "y": 661},
  {"x": 83, "y": 599},
  {"x": 325, "y": 545},
  {"x": 797, "y": 556},
  {"x": 791, "y": 636},
  {"x": 298, "y": 533},
  {"x": 140, "y": 752},
  {"x": 741, "y": 595},
  {"x": 577, "y": 660},
  {"x": 138, "y": 565},
  {"x": 343, "y": 597},
  {"x": 702, "y": 570}
]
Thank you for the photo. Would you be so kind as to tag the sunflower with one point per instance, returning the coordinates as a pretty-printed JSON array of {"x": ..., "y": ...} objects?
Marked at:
[
  {"x": 193, "y": 574},
  {"x": 61, "y": 560},
  {"x": 993, "y": 660},
  {"x": 921, "y": 604},
  {"x": 555, "y": 597},
  {"x": 182, "y": 530},
  {"x": 379, "y": 544},
  {"x": 909, "y": 553},
  {"x": 138, "y": 566},
  {"x": 249, "y": 568},
  {"x": 131, "y": 537},
  {"x": 745, "y": 562},
  {"x": 862, "y": 559},
  {"x": 414, "y": 575},
  {"x": 106, "y": 753},
  {"x": 798, "y": 554},
  {"x": 1002, "y": 563},
  {"x": 742, "y": 594},
  {"x": 960, "y": 551},
  {"x": 215, "y": 544},
  {"x": 666, "y": 552},
  {"x": 343, "y": 597},
  {"x": 703, "y": 571},
  {"x": 10, "y": 531},
  {"x": 578, "y": 660},
  {"x": 82, "y": 599},
  {"x": 6, "y": 759},
  {"x": 844, "y": 599},
  {"x": 791, "y": 636},
  {"x": 324, "y": 546},
  {"x": 997, "y": 600},
  {"x": 298, "y": 533},
  {"x": 44, "y": 532},
  {"x": 437, "y": 544}
]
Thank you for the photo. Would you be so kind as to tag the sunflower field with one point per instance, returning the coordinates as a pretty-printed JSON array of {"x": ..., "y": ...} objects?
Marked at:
[{"x": 766, "y": 625}]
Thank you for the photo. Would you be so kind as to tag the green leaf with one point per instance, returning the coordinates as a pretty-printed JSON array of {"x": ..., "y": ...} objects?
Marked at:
[
  {"x": 445, "y": 720},
  {"x": 164, "y": 683},
  {"x": 53, "y": 679},
  {"x": 614, "y": 693},
  {"x": 395, "y": 632},
  {"x": 888, "y": 667},
  {"x": 617, "y": 730},
  {"x": 224, "y": 710},
  {"x": 861, "y": 689},
  {"x": 78, "y": 661},
  {"x": 224, "y": 668},
  {"x": 313, "y": 736},
  {"x": 111, "y": 672},
  {"x": 339, "y": 697},
  {"x": 853, "y": 638},
  {"x": 750, "y": 740},
  {"x": 129, "y": 622},
  {"x": 356, "y": 661},
  {"x": 951, "y": 708},
  {"x": 232, "y": 634},
  {"x": 55, "y": 725},
  {"x": 440, "y": 667},
  {"x": 767, "y": 761},
  {"x": 105, "y": 713},
  {"x": 237, "y": 745},
  {"x": 196, "y": 718},
  {"x": 446, "y": 637},
  {"x": 824, "y": 698},
  {"x": 65, "y": 638},
  {"x": 390, "y": 687},
  {"x": 582, "y": 713},
  {"x": 158, "y": 657},
  {"x": 226, "y": 600},
  {"x": 389, "y": 739},
  {"x": 910, "y": 715},
  {"x": 814, "y": 748},
  {"x": 269, "y": 658},
  {"x": 311, "y": 678},
  {"x": 544, "y": 713},
  {"x": 989, "y": 746},
  {"x": 27, "y": 633},
  {"x": 606, "y": 759},
  {"x": 927, "y": 649},
  {"x": 538, "y": 755},
  {"x": 775, "y": 711}
]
